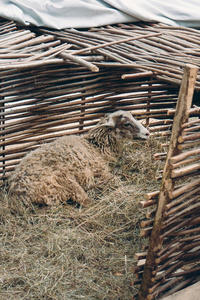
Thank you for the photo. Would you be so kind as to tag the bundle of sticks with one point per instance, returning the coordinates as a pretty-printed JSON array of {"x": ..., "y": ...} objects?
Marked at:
[{"x": 146, "y": 48}]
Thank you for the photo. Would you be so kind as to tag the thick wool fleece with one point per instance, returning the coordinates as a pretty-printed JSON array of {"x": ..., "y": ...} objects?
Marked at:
[
  {"x": 66, "y": 168},
  {"x": 60, "y": 171}
]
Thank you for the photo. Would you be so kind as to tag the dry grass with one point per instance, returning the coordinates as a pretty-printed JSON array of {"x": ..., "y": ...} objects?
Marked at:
[{"x": 74, "y": 253}]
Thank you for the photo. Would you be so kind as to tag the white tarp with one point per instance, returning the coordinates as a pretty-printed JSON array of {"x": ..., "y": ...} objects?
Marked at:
[{"x": 61, "y": 14}]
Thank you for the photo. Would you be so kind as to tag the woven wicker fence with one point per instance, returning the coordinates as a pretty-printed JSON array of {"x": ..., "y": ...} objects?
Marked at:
[
  {"x": 61, "y": 82},
  {"x": 172, "y": 258}
]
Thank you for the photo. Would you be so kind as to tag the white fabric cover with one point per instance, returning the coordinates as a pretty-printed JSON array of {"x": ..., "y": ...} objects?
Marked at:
[{"x": 61, "y": 14}]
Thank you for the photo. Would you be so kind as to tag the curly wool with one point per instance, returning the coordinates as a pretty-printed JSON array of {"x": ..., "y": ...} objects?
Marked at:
[
  {"x": 62, "y": 170},
  {"x": 66, "y": 168}
]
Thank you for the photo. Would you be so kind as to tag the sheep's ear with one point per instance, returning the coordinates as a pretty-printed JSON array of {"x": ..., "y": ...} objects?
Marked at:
[
  {"x": 107, "y": 121},
  {"x": 103, "y": 120},
  {"x": 110, "y": 122}
]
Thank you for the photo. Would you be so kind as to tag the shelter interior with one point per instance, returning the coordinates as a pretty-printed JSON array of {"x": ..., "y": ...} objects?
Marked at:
[
  {"x": 61, "y": 82},
  {"x": 54, "y": 83}
]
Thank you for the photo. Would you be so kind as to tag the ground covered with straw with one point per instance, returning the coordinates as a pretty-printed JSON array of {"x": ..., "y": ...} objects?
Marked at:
[{"x": 70, "y": 252}]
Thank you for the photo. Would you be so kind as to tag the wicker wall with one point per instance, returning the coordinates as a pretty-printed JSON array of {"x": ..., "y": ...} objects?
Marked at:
[
  {"x": 61, "y": 82},
  {"x": 40, "y": 104}
]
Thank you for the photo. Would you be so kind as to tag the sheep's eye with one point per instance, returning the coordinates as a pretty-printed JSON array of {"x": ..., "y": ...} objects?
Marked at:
[{"x": 127, "y": 124}]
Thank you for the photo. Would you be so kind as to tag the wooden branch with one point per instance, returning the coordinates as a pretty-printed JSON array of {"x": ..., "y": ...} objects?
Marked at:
[
  {"x": 169, "y": 250},
  {"x": 188, "y": 231},
  {"x": 153, "y": 288},
  {"x": 190, "y": 123},
  {"x": 79, "y": 61},
  {"x": 179, "y": 286},
  {"x": 191, "y": 128},
  {"x": 164, "y": 145},
  {"x": 165, "y": 274},
  {"x": 186, "y": 162},
  {"x": 194, "y": 245},
  {"x": 139, "y": 256},
  {"x": 117, "y": 42},
  {"x": 9, "y": 39},
  {"x": 192, "y": 111},
  {"x": 20, "y": 42},
  {"x": 54, "y": 51},
  {"x": 185, "y": 170},
  {"x": 184, "y": 212},
  {"x": 137, "y": 269},
  {"x": 151, "y": 195},
  {"x": 160, "y": 156},
  {"x": 168, "y": 262},
  {"x": 181, "y": 199},
  {"x": 191, "y": 137},
  {"x": 144, "y": 232},
  {"x": 151, "y": 213},
  {"x": 183, "y": 189},
  {"x": 173, "y": 229},
  {"x": 166, "y": 133},
  {"x": 159, "y": 128},
  {"x": 21, "y": 66},
  {"x": 181, "y": 147},
  {"x": 190, "y": 238},
  {"x": 160, "y": 288},
  {"x": 137, "y": 75},
  {"x": 143, "y": 204},
  {"x": 146, "y": 223}
]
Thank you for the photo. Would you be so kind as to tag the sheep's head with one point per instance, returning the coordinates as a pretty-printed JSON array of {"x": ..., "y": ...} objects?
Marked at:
[
  {"x": 125, "y": 126},
  {"x": 112, "y": 130}
]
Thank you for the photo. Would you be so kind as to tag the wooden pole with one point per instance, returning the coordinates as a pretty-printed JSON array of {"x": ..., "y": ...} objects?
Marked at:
[
  {"x": 180, "y": 117},
  {"x": 117, "y": 42}
]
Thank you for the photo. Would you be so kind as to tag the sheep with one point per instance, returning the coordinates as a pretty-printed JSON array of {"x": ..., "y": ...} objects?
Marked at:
[{"x": 65, "y": 169}]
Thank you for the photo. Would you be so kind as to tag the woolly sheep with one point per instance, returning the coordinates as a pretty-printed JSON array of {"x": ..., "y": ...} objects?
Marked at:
[{"x": 68, "y": 167}]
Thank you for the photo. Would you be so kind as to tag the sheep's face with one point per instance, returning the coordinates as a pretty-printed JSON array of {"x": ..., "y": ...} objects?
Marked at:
[{"x": 126, "y": 126}]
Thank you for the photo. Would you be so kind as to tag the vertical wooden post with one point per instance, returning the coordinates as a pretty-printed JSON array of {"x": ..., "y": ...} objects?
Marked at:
[
  {"x": 149, "y": 101},
  {"x": 180, "y": 117},
  {"x": 81, "y": 122},
  {"x": 2, "y": 122}
]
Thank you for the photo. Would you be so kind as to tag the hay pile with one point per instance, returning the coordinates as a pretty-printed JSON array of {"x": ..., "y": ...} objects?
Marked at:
[{"x": 75, "y": 253}]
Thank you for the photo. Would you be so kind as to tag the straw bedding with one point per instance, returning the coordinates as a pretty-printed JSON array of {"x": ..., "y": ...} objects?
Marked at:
[{"x": 74, "y": 253}]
